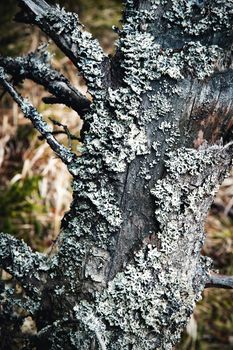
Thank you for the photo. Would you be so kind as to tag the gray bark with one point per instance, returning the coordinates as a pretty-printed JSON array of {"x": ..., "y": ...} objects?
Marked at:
[{"x": 128, "y": 269}]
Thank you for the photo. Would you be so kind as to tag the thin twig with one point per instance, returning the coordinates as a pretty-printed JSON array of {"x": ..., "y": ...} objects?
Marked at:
[
  {"x": 35, "y": 66},
  {"x": 66, "y": 131},
  {"x": 219, "y": 281},
  {"x": 31, "y": 113},
  {"x": 59, "y": 132}
]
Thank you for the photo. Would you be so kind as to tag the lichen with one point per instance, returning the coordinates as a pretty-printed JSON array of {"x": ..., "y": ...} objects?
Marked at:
[
  {"x": 197, "y": 17},
  {"x": 89, "y": 53},
  {"x": 27, "y": 267},
  {"x": 119, "y": 126},
  {"x": 149, "y": 303}
]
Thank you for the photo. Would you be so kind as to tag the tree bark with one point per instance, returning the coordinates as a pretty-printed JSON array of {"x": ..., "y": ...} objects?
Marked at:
[{"x": 128, "y": 268}]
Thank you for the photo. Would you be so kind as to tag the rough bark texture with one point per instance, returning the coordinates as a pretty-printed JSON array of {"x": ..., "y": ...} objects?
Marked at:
[{"x": 128, "y": 268}]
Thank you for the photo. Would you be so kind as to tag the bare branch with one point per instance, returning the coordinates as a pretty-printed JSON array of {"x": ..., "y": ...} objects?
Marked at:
[
  {"x": 219, "y": 281},
  {"x": 17, "y": 258},
  {"x": 68, "y": 34},
  {"x": 65, "y": 130},
  {"x": 36, "y": 67},
  {"x": 51, "y": 100},
  {"x": 31, "y": 113}
]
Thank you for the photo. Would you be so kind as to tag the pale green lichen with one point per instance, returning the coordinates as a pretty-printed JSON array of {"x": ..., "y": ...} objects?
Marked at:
[
  {"x": 28, "y": 267},
  {"x": 90, "y": 55},
  {"x": 119, "y": 127},
  {"x": 149, "y": 303},
  {"x": 197, "y": 17}
]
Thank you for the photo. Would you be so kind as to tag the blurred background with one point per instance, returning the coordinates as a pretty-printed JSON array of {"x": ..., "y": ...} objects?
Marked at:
[{"x": 35, "y": 186}]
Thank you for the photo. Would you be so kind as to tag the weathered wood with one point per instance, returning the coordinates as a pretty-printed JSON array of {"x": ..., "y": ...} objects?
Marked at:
[
  {"x": 128, "y": 267},
  {"x": 36, "y": 66},
  {"x": 219, "y": 281}
]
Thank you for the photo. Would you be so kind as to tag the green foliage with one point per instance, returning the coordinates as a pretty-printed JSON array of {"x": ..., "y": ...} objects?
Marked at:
[
  {"x": 215, "y": 321},
  {"x": 100, "y": 15},
  {"x": 11, "y": 36},
  {"x": 20, "y": 207}
]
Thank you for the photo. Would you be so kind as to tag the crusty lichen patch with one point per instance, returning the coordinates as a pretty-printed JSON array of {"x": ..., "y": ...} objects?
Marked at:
[
  {"x": 88, "y": 51},
  {"x": 149, "y": 303},
  {"x": 197, "y": 17},
  {"x": 119, "y": 125}
]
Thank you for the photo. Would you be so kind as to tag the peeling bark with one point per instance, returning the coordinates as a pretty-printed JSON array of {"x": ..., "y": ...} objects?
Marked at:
[{"x": 128, "y": 268}]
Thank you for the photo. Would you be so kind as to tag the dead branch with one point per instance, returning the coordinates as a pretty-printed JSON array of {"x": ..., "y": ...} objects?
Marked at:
[
  {"x": 219, "y": 281},
  {"x": 17, "y": 258},
  {"x": 39, "y": 124},
  {"x": 65, "y": 29},
  {"x": 35, "y": 66}
]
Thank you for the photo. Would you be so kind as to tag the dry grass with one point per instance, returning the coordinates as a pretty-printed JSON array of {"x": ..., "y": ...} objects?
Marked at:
[
  {"x": 211, "y": 327},
  {"x": 23, "y": 156}
]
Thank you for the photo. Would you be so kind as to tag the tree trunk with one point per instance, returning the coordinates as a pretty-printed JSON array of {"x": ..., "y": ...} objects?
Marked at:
[{"x": 128, "y": 268}]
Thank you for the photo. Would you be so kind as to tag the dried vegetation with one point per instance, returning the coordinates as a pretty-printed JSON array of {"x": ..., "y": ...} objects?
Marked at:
[{"x": 35, "y": 192}]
